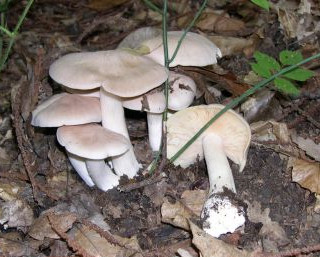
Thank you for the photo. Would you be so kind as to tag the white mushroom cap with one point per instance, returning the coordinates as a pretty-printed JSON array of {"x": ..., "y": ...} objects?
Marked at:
[
  {"x": 135, "y": 38},
  {"x": 119, "y": 72},
  {"x": 195, "y": 50},
  {"x": 230, "y": 127},
  {"x": 182, "y": 91},
  {"x": 92, "y": 141},
  {"x": 66, "y": 109}
]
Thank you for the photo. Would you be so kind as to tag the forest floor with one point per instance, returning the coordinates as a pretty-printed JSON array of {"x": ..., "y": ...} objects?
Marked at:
[{"x": 45, "y": 208}]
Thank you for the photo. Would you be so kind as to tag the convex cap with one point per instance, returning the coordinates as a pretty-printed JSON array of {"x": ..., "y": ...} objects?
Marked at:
[
  {"x": 91, "y": 141},
  {"x": 66, "y": 109},
  {"x": 195, "y": 50},
  {"x": 119, "y": 72}
]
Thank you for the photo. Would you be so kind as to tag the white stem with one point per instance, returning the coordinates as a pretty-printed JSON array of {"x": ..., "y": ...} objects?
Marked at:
[
  {"x": 219, "y": 214},
  {"x": 102, "y": 175},
  {"x": 155, "y": 130},
  {"x": 78, "y": 163},
  {"x": 113, "y": 119},
  {"x": 219, "y": 171}
]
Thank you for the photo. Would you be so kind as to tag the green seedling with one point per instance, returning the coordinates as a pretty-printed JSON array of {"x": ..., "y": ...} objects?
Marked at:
[
  {"x": 4, "y": 31},
  {"x": 264, "y": 4},
  {"x": 265, "y": 66}
]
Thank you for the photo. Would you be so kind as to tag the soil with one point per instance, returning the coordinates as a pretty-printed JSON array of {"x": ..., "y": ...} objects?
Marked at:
[{"x": 53, "y": 28}]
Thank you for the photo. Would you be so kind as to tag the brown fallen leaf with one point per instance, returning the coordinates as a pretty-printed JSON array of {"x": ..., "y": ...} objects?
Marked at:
[
  {"x": 307, "y": 174},
  {"x": 234, "y": 45},
  {"x": 212, "y": 247},
  {"x": 96, "y": 245},
  {"x": 220, "y": 23},
  {"x": 289, "y": 22},
  {"x": 42, "y": 228},
  {"x": 227, "y": 81}
]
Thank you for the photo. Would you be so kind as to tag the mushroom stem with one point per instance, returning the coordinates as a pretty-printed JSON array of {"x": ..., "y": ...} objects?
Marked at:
[
  {"x": 79, "y": 164},
  {"x": 113, "y": 119},
  {"x": 219, "y": 171},
  {"x": 101, "y": 174},
  {"x": 219, "y": 213},
  {"x": 155, "y": 123}
]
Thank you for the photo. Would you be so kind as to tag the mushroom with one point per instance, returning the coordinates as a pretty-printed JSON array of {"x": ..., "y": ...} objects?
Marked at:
[
  {"x": 93, "y": 144},
  {"x": 68, "y": 109},
  {"x": 195, "y": 49},
  {"x": 118, "y": 73},
  {"x": 229, "y": 136},
  {"x": 181, "y": 94}
]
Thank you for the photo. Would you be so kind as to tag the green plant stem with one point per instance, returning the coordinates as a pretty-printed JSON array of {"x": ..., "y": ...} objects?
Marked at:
[
  {"x": 5, "y": 56},
  {"x": 166, "y": 54},
  {"x": 237, "y": 100},
  {"x": 9, "y": 33},
  {"x": 152, "y": 6},
  {"x": 188, "y": 29}
]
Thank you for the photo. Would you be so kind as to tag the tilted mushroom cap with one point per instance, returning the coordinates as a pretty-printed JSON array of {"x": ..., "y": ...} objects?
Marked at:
[
  {"x": 66, "y": 109},
  {"x": 120, "y": 72},
  {"x": 181, "y": 94},
  {"x": 135, "y": 38},
  {"x": 92, "y": 141},
  {"x": 195, "y": 50},
  {"x": 182, "y": 91},
  {"x": 231, "y": 127}
]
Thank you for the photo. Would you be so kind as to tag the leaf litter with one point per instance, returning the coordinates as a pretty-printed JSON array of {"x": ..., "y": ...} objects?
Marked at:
[{"x": 36, "y": 217}]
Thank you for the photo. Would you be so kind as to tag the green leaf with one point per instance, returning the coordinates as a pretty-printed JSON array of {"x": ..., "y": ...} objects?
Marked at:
[
  {"x": 269, "y": 62},
  {"x": 299, "y": 74},
  {"x": 290, "y": 57},
  {"x": 262, "y": 3},
  {"x": 286, "y": 86},
  {"x": 261, "y": 70}
]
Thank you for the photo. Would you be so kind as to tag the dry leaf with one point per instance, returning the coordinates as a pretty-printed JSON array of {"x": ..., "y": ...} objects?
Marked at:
[
  {"x": 307, "y": 174},
  {"x": 233, "y": 45},
  {"x": 289, "y": 22},
  {"x": 194, "y": 200},
  {"x": 175, "y": 214},
  {"x": 105, "y": 4},
  {"x": 16, "y": 214},
  {"x": 41, "y": 228},
  {"x": 212, "y": 247},
  {"x": 97, "y": 245},
  {"x": 219, "y": 23},
  {"x": 310, "y": 147},
  {"x": 270, "y": 131},
  {"x": 254, "y": 106}
]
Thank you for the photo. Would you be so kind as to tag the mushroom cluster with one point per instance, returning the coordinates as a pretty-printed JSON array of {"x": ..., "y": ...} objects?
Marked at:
[{"x": 90, "y": 116}]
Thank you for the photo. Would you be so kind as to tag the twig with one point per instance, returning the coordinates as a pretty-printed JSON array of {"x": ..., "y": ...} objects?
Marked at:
[
  {"x": 155, "y": 178},
  {"x": 18, "y": 130}
]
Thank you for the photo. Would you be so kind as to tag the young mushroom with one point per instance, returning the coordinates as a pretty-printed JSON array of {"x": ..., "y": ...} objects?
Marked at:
[
  {"x": 229, "y": 136},
  {"x": 118, "y": 73},
  {"x": 94, "y": 144},
  {"x": 68, "y": 109},
  {"x": 181, "y": 94}
]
